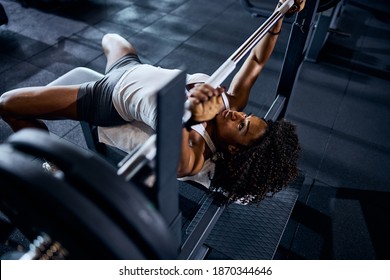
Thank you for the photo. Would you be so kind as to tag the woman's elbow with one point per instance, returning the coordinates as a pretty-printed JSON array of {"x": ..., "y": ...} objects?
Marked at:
[{"x": 188, "y": 169}]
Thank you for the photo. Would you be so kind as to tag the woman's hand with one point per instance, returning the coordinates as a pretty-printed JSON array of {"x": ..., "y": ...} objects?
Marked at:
[
  {"x": 295, "y": 8},
  {"x": 205, "y": 102}
]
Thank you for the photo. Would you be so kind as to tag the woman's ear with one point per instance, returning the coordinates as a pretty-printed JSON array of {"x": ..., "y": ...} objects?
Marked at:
[{"x": 233, "y": 149}]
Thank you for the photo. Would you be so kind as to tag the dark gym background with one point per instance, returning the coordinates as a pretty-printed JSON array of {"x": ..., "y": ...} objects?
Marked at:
[{"x": 340, "y": 104}]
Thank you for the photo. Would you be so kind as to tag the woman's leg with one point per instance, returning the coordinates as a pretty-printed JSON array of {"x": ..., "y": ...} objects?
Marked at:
[
  {"x": 23, "y": 107},
  {"x": 115, "y": 47}
]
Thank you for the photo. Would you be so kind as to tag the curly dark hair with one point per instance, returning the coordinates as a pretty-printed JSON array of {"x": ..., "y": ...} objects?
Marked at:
[{"x": 263, "y": 168}]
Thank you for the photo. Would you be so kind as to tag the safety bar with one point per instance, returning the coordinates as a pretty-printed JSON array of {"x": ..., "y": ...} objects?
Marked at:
[{"x": 134, "y": 161}]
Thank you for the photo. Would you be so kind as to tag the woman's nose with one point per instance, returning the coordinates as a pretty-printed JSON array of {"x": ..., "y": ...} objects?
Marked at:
[{"x": 237, "y": 115}]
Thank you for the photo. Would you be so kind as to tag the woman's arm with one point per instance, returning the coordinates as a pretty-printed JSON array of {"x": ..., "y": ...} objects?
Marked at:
[
  {"x": 191, "y": 158},
  {"x": 243, "y": 81},
  {"x": 245, "y": 78}
]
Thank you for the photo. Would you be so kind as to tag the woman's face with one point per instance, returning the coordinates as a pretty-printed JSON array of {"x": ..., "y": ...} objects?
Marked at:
[{"x": 237, "y": 128}]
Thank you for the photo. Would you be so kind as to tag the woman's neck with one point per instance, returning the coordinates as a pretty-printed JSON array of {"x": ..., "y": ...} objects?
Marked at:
[{"x": 211, "y": 130}]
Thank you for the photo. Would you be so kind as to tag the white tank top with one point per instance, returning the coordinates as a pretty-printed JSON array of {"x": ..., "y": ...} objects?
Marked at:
[{"x": 207, "y": 172}]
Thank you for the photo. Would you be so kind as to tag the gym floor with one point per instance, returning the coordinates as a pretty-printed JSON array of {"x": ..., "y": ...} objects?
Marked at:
[{"x": 340, "y": 103}]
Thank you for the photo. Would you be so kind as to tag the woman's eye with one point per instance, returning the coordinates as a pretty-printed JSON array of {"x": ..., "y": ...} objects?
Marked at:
[{"x": 241, "y": 126}]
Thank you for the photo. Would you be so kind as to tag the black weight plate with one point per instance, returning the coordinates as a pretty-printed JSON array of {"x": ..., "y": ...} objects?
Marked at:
[
  {"x": 37, "y": 202},
  {"x": 98, "y": 180}
]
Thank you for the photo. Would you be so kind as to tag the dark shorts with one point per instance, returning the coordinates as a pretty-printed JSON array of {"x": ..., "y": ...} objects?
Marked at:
[{"x": 94, "y": 99}]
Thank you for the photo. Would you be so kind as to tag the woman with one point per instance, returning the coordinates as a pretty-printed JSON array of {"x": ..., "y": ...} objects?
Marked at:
[{"x": 253, "y": 157}]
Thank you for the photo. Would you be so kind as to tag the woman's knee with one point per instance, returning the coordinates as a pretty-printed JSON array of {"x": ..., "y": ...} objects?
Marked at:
[
  {"x": 5, "y": 101},
  {"x": 114, "y": 44},
  {"x": 11, "y": 101},
  {"x": 5, "y": 108}
]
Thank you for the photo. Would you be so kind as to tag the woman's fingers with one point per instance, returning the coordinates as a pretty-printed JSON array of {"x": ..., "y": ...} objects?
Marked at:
[
  {"x": 204, "y": 111},
  {"x": 204, "y": 92},
  {"x": 205, "y": 102}
]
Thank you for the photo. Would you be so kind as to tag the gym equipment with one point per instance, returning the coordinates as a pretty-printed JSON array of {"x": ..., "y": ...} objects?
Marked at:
[
  {"x": 297, "y": 47},
  {"x": 325, "y": 23},
  {"x": 39, "y": 204},
  {"x": 259, "y": 8},
  {"x": 91, "y": 212}
]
